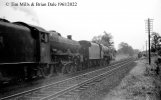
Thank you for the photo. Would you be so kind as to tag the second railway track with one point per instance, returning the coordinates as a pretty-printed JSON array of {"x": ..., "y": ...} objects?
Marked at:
[{"x": 58, "y": 89}]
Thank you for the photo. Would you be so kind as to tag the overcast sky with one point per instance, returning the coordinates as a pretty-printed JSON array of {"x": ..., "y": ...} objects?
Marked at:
[{"x": 124, "y": 19}]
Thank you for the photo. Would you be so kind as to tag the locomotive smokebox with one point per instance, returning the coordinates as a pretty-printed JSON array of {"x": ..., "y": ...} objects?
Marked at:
[{"x": 69, "y": 37}]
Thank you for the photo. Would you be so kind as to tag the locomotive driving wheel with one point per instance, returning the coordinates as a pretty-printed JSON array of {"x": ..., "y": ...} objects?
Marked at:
[
  {"x": 47, "y": 70},
  {"x": 68, "y": 68},
  {"x": 71, "y": 68},
  {"x": 65, "y": 69},
  {"x": 74, "y": 67}
]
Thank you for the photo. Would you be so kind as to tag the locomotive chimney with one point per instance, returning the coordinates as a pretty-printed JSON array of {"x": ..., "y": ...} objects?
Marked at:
[{"x": 69, "y": 37}]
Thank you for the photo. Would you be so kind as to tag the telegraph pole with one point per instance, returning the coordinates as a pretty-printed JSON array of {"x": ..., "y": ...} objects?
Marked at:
[
  {"x": 149, "y": 40},
  {"x": 149, "y": 29},
  {"x": 146, "y": 47}
]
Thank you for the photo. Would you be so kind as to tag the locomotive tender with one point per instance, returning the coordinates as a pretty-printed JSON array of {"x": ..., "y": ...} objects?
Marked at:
[{"x": 28, "y": 51}]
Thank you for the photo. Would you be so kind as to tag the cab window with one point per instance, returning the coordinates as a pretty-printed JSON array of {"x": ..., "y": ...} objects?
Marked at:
[{"x": 44, "y": 37}]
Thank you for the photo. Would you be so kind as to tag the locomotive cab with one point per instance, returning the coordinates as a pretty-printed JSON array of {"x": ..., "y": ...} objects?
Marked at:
[
  {"x": 45, "y": 47},
  {"x": 42, "y": 46}
]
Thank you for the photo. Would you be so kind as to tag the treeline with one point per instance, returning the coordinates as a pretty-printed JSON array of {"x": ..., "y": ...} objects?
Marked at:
[
  {"x": 125, "y": 48},
  {"x": 107, "y": 40}
]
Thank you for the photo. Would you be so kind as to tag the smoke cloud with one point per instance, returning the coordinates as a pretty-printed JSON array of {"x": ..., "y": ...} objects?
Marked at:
[{"x": 28, "y": 11}]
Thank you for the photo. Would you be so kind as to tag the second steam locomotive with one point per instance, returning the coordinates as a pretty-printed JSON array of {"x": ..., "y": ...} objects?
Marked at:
[{"x": 28, "y": 51}]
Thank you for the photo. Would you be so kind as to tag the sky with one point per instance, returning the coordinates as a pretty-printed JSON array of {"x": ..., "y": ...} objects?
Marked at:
[{"x": 124, "y": 19}]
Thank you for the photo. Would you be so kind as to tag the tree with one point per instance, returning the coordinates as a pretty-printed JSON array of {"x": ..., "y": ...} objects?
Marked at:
[
  {"x": 97, "y": 39},
  {"x": 155, "y": 42},
  {"x": 124, "y": 48},
  {"x": 105, "y": 39},
  {"x": 136, "y": 51}
]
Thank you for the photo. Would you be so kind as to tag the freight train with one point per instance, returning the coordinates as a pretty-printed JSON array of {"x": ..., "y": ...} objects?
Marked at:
[{"x": 28, "y": 51}]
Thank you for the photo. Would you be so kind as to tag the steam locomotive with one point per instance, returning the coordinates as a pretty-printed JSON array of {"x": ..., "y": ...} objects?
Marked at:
[{"x": 28, "y": 51}]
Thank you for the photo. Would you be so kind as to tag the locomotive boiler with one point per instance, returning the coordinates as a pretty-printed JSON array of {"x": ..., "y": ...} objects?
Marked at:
[
  {"x": 106, "y": 55},
  {"x": 64, "y": 53}
]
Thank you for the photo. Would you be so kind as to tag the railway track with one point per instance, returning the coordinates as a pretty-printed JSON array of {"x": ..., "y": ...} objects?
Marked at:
[{"x": 64, "y": 89}]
